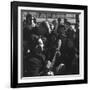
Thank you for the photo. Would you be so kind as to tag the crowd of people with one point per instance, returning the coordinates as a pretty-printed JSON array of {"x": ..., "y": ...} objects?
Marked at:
[{"x": 50, "y": 48}]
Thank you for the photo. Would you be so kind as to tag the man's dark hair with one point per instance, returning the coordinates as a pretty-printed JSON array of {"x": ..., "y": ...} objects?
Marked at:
[
  {"x": 28, "y": 17},
  {"x": 59, "y": 19}
]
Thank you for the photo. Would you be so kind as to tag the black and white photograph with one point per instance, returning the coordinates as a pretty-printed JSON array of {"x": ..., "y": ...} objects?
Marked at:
[{"x": 50, "y": 44}]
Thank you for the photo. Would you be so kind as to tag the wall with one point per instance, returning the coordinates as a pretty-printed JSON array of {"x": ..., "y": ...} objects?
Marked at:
[{"x": 5, "y": 46}]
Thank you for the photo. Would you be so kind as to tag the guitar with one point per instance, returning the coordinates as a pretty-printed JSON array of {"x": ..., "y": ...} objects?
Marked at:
[{"x": 51, "y": 65}]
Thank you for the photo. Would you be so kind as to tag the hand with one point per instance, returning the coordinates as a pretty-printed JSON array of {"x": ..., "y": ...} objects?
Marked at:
[
  {"x": 48, "y": 64},
  {"x": 50, "y": 73},
  {"x": 60, "y": 67},
  {"x": 58, "y": 52}
]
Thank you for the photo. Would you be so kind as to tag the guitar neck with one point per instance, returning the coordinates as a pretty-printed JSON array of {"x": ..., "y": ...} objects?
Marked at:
[{"x": 53, "y": 60}]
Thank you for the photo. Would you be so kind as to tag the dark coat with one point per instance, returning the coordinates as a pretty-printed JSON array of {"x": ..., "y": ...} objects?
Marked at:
[{"x": 32, "y": 61}]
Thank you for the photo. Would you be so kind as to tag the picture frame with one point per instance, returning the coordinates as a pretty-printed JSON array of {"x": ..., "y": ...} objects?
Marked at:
[{"x": 18, "y": 12}]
